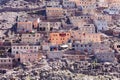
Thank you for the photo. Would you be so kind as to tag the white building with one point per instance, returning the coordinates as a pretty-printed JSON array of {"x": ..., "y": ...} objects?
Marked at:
[
  {"x": 101, "y": 25},
  {"x": 112, "y": 10},
  {"x": 91, "y": 47},
  {"x": 31, "y": 37},
  {"x": 69, "y": 4},
  {"x": 52, "y": 3},
  {"x": 49, "y": 26},
  {"x": 83, "y": 47},
  {"x": 102, "y": 3},
  {"x": 17, "y": 48},
  {"x": 87, "y": 28}
]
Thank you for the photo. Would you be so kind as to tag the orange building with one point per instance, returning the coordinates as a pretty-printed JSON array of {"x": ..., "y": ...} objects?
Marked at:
[{"x": 59, "y": 37}]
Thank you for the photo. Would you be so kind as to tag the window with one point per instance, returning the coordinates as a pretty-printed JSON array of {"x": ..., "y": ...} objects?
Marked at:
[
  {"x": 37, "y": 35},
  {"x": 9, "y": 65},
  {"x": 33, "y": 35},
  {"x": 77, "y": 45},
  {"x": 36, "y": 39},
  {"x": 31, "y": 47},
  {"x": 89, "y": 45},
  {"x": 9, "y": 60},
  {"x": 81, "y": 45},
  {"x": 17, "y": 52},
  {"x": 13, "y": 47},
  {"x": 54, "y": 35},
  {"x": 29, "y": 59},
  {"x": 4, "y": 60},
  {"x": 118, "y": 46}
]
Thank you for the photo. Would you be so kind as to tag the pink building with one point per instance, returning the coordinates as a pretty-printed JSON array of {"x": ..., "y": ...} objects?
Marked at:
[
  {"x": 25, "y": 57},
  {"x": 24, "y": 26}
]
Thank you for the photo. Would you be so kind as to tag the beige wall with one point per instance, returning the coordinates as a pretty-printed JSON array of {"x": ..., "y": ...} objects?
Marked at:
[
  {"x": 85, "y": 37},
  {"x": 54, "y": 25},
  {"x": 79, "y": 20},
  {"x": 54, "y": 12},
  {"x": 100, "y": 16},
  {"x": 75, "y": 57},
  {"x": 28, "y": 57},
  {"x": 86, "y": 28},
  {"x": 6, "y": 63},
  {"x": 31, "y": 38},
  {"x": 24, "y": 25}
]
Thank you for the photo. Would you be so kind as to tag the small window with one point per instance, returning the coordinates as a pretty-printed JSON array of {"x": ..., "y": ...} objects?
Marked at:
[
  {"x": 89, "y": 45},
  {"x": 17, "y": 52},
  {"x": 13, "y": 47},
  {"x": 81, "y": 45},
  {"x": 76, "y": 45},
  {"x": 67, "y": 34},
  {"x": 9, "y": 65},
  {"x": 31, "y": 47},
  {"x": 37, "y": 35},
  {"x": 17, "y": 47},
  {"x": 9, "y": 60},
  {"x": 4, "y": 60},
  {"x": 33, "y": 35}
]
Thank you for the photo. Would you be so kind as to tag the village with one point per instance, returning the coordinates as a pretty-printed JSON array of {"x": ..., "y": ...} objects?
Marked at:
[{"x": 61, "y": 40}]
